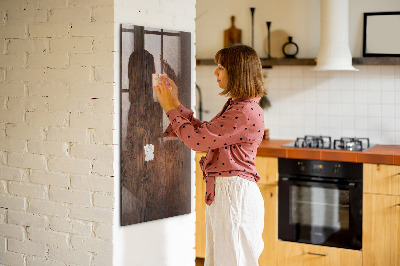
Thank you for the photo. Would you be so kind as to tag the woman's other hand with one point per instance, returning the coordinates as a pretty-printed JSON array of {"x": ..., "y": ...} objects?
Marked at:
[
  {"x": 174, "y": 90},
  {"x": 163, "y": 90}
]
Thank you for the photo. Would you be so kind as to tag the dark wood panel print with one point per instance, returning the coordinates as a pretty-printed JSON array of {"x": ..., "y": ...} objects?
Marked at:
[{"x": 155, "y": 171}]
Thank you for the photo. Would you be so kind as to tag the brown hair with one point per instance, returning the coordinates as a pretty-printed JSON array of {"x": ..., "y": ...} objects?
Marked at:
[{"x": 245, "y": 78}]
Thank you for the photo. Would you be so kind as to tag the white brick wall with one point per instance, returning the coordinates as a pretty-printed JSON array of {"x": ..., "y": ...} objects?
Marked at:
[{"x": 56, "y": 127}]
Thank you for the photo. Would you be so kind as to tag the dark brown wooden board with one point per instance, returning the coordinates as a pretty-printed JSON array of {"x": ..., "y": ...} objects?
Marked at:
[{"x": 158, "y": 186}]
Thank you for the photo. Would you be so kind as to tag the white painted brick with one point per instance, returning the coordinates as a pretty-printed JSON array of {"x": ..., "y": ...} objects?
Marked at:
[
  {"x": 13, "y": 31},
  {"x": 75, "y": 74},
  {"x": 11, "y": 60},
  {"x": 91, "y": 214},
  {"x": 27, "y": 247},
  {"x": 69, "y": 15},
  {"x": 93, "y": 151},
  {"x": 102, "y": 168},
  {"x": 28, "y": 219},
  {"x": 96, "y": 59},
  {"x": 27, "y": 190},
  {"x": 90, "y": 90},
  {"x": 52, "y": 60},
  {"x": 11, "y": 259},
  {"x": 27, "y": 160},
  {"x": 12, "y": 202},
  {"x": 48, "y": 237},
  {"x": 29, "y": 16},
  {"x": 69, "y": 256},
  {"x": 47, "y": 207},
  {"x": 71, "y": 44},
  {"x": 103, "y": 74},
  {"x": 3, "y": 213},
  {"x": 91, "y": 244},
  {"x": 48, "y": 88},
  {"x": 13, "y": 145},
  {"x": 49, "y": 178},
  {"x": 92, "y": 29},
  {"x": 70, "y": 165},
  {"x": 103, "y": 231},
  {"x": 80, "y": 105},
  {"x": 12, "y": 117},
  {"x": 103, "y": 259},
  {"x": 70, "y": 196},
  {"x": 25, "y": 132},
  {"x": 104, "y": 121},
  {"x": 103, "y": 136},
  {"x": 15, "y": 89},
  {"x": 71, "y": 226},
  {"x": 3, "y": 187},
  {"x": 2, "y": 74},
  {"x": 35, "y": 103},
  {"x": 67, "y": 134},
  {"x": 93, "y": 183},
  {"x": 10, "y": 173},
  {"x": 36, "y": 261},
  {"x": 103, "y": 200},
  {"x": 103, "y": 44},
  {"x": 48, "y": 30},
  {"x": 3, "y": 245},
  {"x": 20, "y": 46},
  {"x": 103, "y": 14},
  {"x": 12, "y": 230},
  {"x": 12, "y": 4},
  {"x": 47, "y": 119},
  {"x": 48, "y": 147},
  {"x": 26, "y": 74}
]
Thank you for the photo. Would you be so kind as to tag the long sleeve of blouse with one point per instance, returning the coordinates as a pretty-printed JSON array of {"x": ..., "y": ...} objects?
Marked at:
[
  {"x": 225, "y": 130},
  {"x": 186, "y": 113}
]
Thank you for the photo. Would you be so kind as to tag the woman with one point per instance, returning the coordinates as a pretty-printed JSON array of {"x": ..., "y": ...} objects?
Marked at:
[{"x": 235, "y": 207}]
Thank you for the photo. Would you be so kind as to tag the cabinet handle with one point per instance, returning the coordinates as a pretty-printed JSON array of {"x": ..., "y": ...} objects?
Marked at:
[
  {"x": 318, "y": 254},
  {"x": 398, "y": 204}
]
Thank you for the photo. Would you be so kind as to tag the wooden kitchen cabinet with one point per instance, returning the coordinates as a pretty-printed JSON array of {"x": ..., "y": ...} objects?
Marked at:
[
  {"x": 200, "y": 209},
  {"x": 381, "y": 215},
  {"x": 267, "y": 167},
  {"x": 381, "y": 179},
  {"x": 381, "y": 230},
  {"x": 298, "y": 254}
]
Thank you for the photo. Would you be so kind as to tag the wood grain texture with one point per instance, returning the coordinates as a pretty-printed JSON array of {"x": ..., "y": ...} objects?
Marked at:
[
  {"x": 159, "y": 187},
  {"x": 200, "y": 209},
  {"x": 298, "y": 254},
  {"x": 270, "y": 233},
  {"x": 381, "y": 230},
  {"x": 381, "y": 179},
  {"x": 267, "y": 168}
]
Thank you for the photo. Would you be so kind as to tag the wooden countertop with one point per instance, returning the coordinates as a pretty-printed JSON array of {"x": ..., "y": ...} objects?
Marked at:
[{"x": 379, "y": 154}]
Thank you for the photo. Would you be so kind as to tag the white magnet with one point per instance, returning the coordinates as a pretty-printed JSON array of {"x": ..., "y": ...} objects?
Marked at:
[{"x": 148, "y": 152}]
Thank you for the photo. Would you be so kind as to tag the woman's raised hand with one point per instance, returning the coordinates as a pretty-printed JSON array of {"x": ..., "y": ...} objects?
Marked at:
[{"x": 174, "y": 90}]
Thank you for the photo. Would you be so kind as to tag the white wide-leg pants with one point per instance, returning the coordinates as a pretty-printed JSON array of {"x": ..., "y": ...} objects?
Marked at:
[{"x": 234, "y": 223}]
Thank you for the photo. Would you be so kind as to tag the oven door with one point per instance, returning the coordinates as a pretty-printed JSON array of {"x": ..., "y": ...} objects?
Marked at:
[{"x": 315, "y": 211}]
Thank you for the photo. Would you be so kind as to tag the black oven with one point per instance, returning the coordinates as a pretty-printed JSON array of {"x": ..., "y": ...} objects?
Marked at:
[{"x": 320, "y": 202}]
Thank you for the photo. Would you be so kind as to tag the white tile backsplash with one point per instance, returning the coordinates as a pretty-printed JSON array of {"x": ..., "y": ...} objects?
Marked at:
[{"x": 364, "y": 103}]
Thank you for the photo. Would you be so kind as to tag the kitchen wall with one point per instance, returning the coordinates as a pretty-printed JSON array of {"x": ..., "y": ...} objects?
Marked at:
[
  {"x": 339, "y": 104},
  {"x": 56, "y": 123},
  {"x": 168, "y": 241}
]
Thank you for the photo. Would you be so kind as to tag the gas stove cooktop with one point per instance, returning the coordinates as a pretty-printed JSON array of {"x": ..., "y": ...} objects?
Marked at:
[{"x": 325, "y": 142}]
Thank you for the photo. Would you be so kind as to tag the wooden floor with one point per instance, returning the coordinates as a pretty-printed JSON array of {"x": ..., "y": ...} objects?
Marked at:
[{"x": 199, "y": 262}]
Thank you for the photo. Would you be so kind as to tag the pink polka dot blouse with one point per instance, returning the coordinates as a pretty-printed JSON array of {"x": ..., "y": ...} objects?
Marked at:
[{"x": 231, "y": 139}]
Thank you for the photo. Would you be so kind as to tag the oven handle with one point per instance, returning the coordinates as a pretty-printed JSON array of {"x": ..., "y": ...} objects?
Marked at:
[{"x": 298, "y": 181}]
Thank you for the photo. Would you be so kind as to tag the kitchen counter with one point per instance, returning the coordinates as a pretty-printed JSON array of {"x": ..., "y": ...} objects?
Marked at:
[{"x": 379, "y": 154}]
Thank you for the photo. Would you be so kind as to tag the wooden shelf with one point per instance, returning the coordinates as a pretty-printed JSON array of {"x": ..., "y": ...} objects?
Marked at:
[{"x": 312, "y": 61}]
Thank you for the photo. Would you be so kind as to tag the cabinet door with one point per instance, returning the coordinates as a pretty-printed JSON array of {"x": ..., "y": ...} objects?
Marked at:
[
  {"x": 381, "y": 179},
  {"x": 267, "y": 168},
  {"x": 381, "y": 230},
  {"x": 297, "y": 254},
  {"x": 200, "y": 209},
  {"x": 270, "y": 233}
]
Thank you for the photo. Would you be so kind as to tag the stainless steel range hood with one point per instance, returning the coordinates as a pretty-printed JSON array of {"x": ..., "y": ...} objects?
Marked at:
[{"x": 334, "y": 51}]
